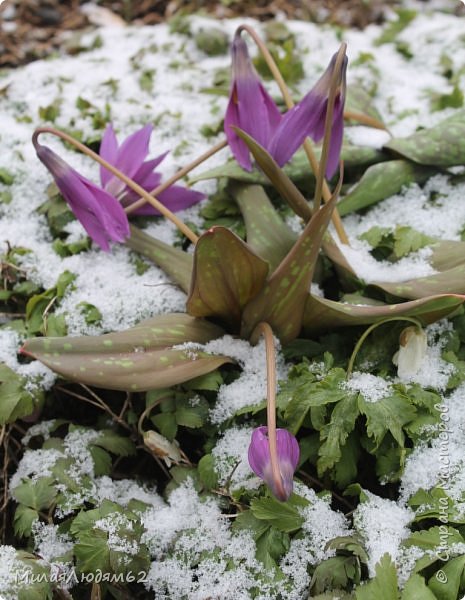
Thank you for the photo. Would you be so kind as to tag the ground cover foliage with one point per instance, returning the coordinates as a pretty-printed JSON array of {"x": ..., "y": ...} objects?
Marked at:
[{"x": 130, "y": 479}]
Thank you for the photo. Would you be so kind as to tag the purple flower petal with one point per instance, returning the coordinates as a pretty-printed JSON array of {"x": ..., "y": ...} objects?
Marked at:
[
  {"x": 288, "y": 457},
  {"x": 307, "y": 118},
  {"x": 297, "y": 124},
  {"x": 259, "y": 451},
  {"x": 250, "y": 106},
  {"x": 130, "y": 156},
  {"x": 109, "y": 152},
  {"x": 100, "y": 214}
]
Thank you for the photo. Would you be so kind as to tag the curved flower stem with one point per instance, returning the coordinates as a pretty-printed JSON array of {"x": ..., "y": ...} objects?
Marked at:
[
  {"x": 129, "y": 182},
  {"x": 367, "y": 332},
  {"x": 178, "y": 175},
  {"x": 307, "y": 146},
  {"x": 333, "y": 90},
  {"x": 265, "y": 330},
  {"x": 351, "y": 115}
]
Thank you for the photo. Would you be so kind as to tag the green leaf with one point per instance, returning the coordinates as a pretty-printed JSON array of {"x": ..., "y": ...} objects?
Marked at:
[
  {"x": 322, "y": 314},
  {"x": 38, "y": 494},
  {"x": 227, "y": 275},
  {"x": 445, "y": 583},
  {"x": 392, "y": 30},
  {"x": 207, "y": 473},
  {"x": 101, "y": 460},
  {"x": 338, "y": 572},
  {"x": 191, "y": 412},
  {"x": 387, "y": 414},
  {"x": 452, "y": 100},
  {"x": 267, "y": 234},
  {"x": 442, "y": 145},
  {"x": 360, "y": 101},
  {"x": 209, "y": 381},
  {"x": 176, "y": 263},
  {"x": 15, "y": 401},
  {"x": 167, "y": 424},
  {"x": 297, "y": 170},
  {"x": 431, "y": 539},
  {"x": 281, "y": 302},
  {"x": 283, "y": 516},
  {"x": 114, "y": 443},
  {"x": 271, "y": 546},
  {"x": 383, "y": 585},
  {"x": 6, "y": 177},
  {"x": 416, "y": 588},
  {"x": 92, "y": 552},
  {"x": 23, "y": 520},
  {"x": 306, "y": 391},
  {"x": 335, "y": 433},
  {"x": 137, "y": 359},
  {"x": 381, "y": 181},
  {"x": 345, "y": 469}
]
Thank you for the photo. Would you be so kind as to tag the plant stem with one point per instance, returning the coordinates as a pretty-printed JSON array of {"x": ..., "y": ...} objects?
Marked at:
[
  {"x": 367, "y": 332},
  {"x": 351, "y": 115},
  {"x": 307, "y": 146},
  {"x": 178, "y": 175},
  {"x": 129, "y": 182},
  {"x": 265, "y": 330}
]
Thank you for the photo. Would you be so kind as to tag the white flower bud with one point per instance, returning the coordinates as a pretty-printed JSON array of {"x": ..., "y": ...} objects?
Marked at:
[{"x": 412, "y": 351}]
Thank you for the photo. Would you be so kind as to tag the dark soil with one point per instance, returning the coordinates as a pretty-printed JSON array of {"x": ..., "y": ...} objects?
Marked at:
[{"x": 33, "y": 29}]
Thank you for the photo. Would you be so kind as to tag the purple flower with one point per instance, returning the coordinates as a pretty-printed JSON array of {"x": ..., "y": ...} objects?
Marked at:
[
  {"x": 250, "y": 106},
  {"x": 288, "y": 457},
  {"x": 251, "y": 109},
  {"x": 129, "y": 158},
  {"x": 307, "y": 118},
  {"x": 101, "y": 215}
]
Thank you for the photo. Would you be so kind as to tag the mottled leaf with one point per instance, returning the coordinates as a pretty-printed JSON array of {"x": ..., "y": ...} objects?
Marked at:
[
  {"x": 227, "y": 275},
  {"x": 442, "y": 145},
  {"x": 176, "y": 263},
  {"x": 322, "y": 314},
  {"x": 138, "y": 359},
  {"x": 360, "y": 101},
  {"x": 298, "y": 169},
  {"x": 449, "y": 259},
  {"x": 267, "y": 234},
  {"x": 281, "y": 302},
  {"x": 283, "y": 184},
  {"x": 381, "y": 181}
]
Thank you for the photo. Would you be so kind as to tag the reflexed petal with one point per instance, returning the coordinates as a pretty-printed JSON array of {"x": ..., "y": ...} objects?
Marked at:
[
  {"x": 100, "y": 214},
  {"x": 259, "y": 451},
  {"x": 307, "y": 118},
  {"x": 250, "y": 106},
  {"x": 298, "y": 123},
  {"x": 130, "y": 156},
  {"x": 109, "y": 152},
  {"x": 238, "y": 147},
  {"x": 133, "y": 151}
]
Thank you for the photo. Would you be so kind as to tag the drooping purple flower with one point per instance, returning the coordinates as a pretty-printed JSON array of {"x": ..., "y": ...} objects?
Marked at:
[
  {"x": 250, "y": 106},
  {"x": 251, "y": 109},
  {"x": 129, "y": 158},
  {"x": 101, "y": 215},
  {"x": 288, "y": 457},
  {"x": 308, "y": 116}
]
